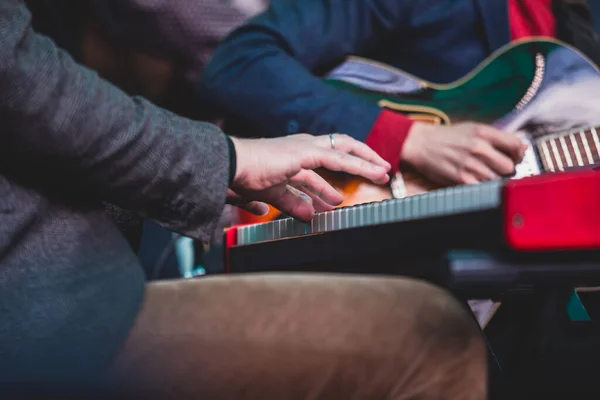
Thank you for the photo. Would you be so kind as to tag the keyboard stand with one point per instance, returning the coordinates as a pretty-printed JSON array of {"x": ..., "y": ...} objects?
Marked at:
[
  {"x": 520, "y": 332},
  {"x": 534, "y": 294}
]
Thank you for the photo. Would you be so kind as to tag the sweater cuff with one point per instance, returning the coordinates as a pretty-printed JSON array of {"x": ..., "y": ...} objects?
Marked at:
[
  {"x": 232, "y": 159},
  {"x": 388, "y": 135}
]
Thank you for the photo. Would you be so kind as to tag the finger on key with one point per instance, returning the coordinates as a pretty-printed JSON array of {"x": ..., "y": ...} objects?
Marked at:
[
  {"x": 318, "y": 186},
  {"x": 293, "y": 202}
]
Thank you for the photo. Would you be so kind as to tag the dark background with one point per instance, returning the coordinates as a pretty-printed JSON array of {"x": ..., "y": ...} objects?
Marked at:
[{"x": 595, "y": 6}]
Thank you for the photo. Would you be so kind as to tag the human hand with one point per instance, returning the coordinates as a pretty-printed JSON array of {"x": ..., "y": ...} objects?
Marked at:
[
  {"x": 464, "y": 153},
  {"x": 280, "y": 172}
]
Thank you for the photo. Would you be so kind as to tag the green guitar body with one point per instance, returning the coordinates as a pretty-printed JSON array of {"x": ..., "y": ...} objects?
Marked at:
[{"x": 504, "y": 85}]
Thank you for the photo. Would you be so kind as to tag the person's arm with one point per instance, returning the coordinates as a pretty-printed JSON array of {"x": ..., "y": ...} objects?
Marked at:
[
  {"x": 265, "y": 71},
  {"x": 62, "y": 125}
]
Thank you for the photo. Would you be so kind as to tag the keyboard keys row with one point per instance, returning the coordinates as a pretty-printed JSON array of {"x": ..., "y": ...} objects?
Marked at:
[{"x": 441, "y": 202}]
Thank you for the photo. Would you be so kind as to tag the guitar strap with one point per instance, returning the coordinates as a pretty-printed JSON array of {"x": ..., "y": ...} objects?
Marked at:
[{"x": 575, "y": 26}]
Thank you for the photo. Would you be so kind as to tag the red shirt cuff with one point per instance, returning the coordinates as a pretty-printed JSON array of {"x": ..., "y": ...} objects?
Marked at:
[{"x": 388, "y": 135}]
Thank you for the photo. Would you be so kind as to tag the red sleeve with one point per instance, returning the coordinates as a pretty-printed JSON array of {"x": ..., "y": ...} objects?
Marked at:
[
  {"x": 388, "y": 135},
  {"x": 531, "y": 18}
]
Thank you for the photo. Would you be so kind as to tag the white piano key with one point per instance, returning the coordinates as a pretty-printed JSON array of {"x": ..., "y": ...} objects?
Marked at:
[
  {"x": 361, "y": 213},
  {"x": 353, "y": 215},
  {"x": 248, "y": 236},
  {"x": 439, "y": 202},
  {"x": 476, "y": 199},
  {"x": 330, "y": 220},
  {"x": 337, "y": 219},
  {"x": 376, "y": 213},
  {"x": 466, "y": 201},
  {"x": 402, "y": 208},
  {"x": 286, "y": 228},
  {"x": 450, "y": 205},
  {"x": 367, "y": 214},
  {"x": 385, "y": 211},
  {"x": 414, "y": 209},
  {"x": 431, "y": 205},
  {"x": 270, "y": 231},
  {"x": 241, "y": 233}
]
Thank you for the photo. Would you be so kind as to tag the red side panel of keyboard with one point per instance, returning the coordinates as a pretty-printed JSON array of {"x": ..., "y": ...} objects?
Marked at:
[
  {"x": 558, "y": 211},
  {"x": 230, "y": 240}
]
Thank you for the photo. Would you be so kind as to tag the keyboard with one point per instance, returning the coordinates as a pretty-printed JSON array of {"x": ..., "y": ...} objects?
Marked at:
[{"x": 547, "y": 213}]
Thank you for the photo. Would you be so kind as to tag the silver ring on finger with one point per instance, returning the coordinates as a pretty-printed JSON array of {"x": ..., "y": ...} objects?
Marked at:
[{"x": 332, "y": 140}]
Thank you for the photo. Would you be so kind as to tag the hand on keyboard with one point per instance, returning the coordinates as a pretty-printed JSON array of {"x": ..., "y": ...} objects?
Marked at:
[{"x": 280, "y": 172}]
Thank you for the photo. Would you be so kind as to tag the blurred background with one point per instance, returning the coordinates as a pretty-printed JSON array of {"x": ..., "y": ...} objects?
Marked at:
[
  {"x": 158, "y": 251},
  {"x": 595, "y": 6}
]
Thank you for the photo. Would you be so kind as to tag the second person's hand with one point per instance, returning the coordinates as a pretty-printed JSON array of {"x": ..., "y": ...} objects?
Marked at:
[{"x": 464, "y": 153}]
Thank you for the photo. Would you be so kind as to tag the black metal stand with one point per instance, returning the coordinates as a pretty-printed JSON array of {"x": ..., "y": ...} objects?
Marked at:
[
  {"x": 519, "y": 335},
  {"x": 533, "y": 317}
]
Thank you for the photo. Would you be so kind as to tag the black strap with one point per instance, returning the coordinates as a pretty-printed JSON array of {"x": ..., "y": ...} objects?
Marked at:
[{"x": 575, "y": 26}]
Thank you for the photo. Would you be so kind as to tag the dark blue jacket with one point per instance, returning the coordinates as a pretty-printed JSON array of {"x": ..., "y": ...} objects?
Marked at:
[{"x": 266, "y": 72}]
